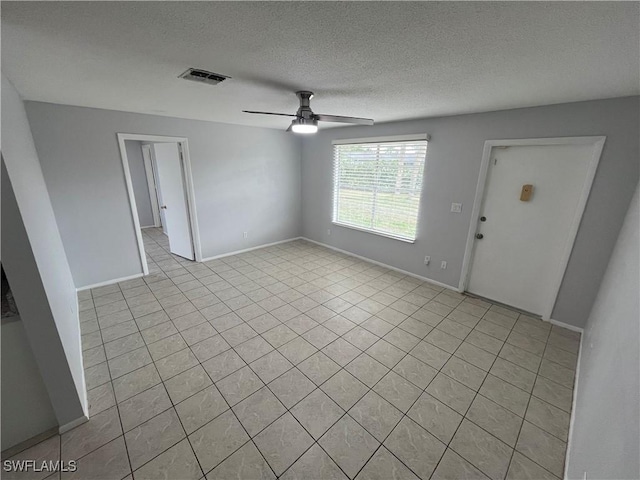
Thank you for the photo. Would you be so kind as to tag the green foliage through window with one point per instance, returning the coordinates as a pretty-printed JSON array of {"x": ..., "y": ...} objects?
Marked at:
[{"x": 377, "y": 186}]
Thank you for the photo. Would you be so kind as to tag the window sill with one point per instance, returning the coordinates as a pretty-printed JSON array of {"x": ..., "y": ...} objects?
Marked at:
[{"x": 379, "y": 234}]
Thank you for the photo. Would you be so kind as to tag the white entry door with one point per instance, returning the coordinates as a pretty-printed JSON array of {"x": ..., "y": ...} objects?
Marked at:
[
  {"x": 519, "y": 244},
  {"x": 171, "y": 182}
]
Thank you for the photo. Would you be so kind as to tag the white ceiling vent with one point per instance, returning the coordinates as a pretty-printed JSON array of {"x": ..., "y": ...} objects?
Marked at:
[{"x": 203, "y": 76}]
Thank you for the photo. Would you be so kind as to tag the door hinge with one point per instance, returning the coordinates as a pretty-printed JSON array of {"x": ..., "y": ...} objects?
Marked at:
[{"x": 495, "y": 161}]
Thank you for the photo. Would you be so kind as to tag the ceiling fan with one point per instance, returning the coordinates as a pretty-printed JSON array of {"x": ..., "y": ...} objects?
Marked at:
[{"x": 306, "y": 121}]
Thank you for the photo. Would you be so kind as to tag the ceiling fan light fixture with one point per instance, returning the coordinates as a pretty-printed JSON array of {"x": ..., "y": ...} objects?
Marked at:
[{"x": 303, "y": 125}]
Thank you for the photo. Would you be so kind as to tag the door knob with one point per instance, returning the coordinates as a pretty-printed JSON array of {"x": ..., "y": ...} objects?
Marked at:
[
  {"x": 479, "y": 236},
  {"x": 163, "y": 207},
  {"x": 483, "y": 219}
]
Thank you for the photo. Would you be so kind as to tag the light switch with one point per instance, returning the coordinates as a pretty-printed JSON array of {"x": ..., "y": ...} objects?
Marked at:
[{"x": 456, "y": 207}]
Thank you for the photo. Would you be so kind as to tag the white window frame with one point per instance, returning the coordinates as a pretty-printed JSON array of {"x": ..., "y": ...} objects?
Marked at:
[{"x": 349, "y": 141}]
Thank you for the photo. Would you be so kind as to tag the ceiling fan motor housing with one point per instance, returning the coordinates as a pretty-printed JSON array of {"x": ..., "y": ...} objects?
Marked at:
[{"x": 305, "y": 109}]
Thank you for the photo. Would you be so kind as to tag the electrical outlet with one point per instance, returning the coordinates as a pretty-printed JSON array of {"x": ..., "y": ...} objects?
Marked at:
[
  {"x": 456, "y": 207},
  {"x": 443, "y": 265},
  {"x": 328, "y": 231},
  {"x": 245, "y": 234},
  {"x": 427, "y": 259}
]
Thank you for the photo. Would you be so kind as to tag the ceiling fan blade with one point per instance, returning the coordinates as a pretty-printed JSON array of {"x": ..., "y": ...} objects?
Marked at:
[
  {"x": 289, "y": 128},
  {"x": 337, "y": 118},
  {"x": 270, "y": 113}
]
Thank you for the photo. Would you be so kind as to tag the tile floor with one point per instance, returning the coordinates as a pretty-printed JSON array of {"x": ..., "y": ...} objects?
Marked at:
[{"x": 297, "y": 362}]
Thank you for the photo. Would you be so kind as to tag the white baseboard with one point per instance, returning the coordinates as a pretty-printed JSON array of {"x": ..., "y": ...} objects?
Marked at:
[
  {"x": 390, "y": 267},
  {"x": 568, "y": 326},
  {"x": 109, "y": 282},
  {"x": 73, "y": 424},
  {"x": 222, "y": 255},
  {"x": 573, "y": 410}
]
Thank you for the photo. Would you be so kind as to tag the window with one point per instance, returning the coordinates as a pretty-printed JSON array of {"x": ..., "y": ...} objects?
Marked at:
[{"x": 378, "y": 185}]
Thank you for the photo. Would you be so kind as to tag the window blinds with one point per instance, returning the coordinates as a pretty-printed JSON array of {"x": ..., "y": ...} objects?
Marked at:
[{"x": 377, "y": 186}]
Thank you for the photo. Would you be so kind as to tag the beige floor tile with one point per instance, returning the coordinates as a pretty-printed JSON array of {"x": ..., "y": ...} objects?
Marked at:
[
  {"x": 376, "y": 415},
  {"x": 187, "y": 383},
  {"x": 317, "y": 413},
  {"x": 464, "y": 372},
  {"x": 481, "y": 449},
  {"x": 475, "y": 356},
  {"x": 505, "y": 394},
  {"x": 416, "y": 371},
  {"x": 431, "y": 354},
  {"x": 383, "y": 466},
  {"x": 341, "y": 351},
  {"x": 435, "y": 417},
  {"x": 453, "y": 467},
  {"x": 258, "y": 411},
  {"x": 176, "y": 462},
  {"x": 397, "y": 390},
  {"x": 360, "y": 337},
  {"x": 101, "y": 398},
  {"x": 496, "y": 420},
  {"x": 217, "y": 440},
  {"x": 209, "y": 321},
  {"x": 283, "y": 442},
  {"x": 166, "y": 346},
  {"x": 415, "y": 447},
  {"x": 344, "y": 389},
  {"x": 153, "y": 437},
  {"x": 223, "y": 364},
  {"x": 291, "y": 387},
  {"x": 366, "y": 369},
  {"x": 239, "y": 385},
  {"x": 144, "y": 406},
  {"x": 318, "y": 368},
  {"x": 557, "y": 373},
  {"x": 522, "y": 468},
  {"x": 315, "y": 463},
  {"x": 102, "y": 428},
  {"x": 349, "y": 445},
  {"x": 253, "y": 349},
  {"x": 451, "y": 392},
  {"x": 514, "y": 374},
  {"x": 129, "y": 362},
  {"x": 246, "y": 462},
  {"x": 209, "y": 347},
  {"x": 135, "y": 382},
  {"x": 107, "y": 462},
  {"x": 176, "y": 363},
  {"x": 201, "y": 408},
  {"x": 553, "y": 393},
  {"x": 549, "y": 418},
  {"x": 542, "y": 447}
]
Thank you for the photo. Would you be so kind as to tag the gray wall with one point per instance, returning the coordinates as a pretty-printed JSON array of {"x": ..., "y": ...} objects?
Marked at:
[
  {"x": 26, "y": 408},
  {"x": 36, "y": 265},
  {"x": 246, "y": 180},
  {"x": 606, "y": 438},
  {"x": 139, "y": 182},
  {"x": 451, "y": 174}
]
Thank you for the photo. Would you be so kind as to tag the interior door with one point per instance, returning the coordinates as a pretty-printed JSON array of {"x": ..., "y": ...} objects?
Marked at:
[
  {"x": 520, "y": 243},
  {"x": 173, "y": 195}
]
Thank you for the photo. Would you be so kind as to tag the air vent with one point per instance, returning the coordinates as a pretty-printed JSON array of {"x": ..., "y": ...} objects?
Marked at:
[{"x": 197, "y": 75}]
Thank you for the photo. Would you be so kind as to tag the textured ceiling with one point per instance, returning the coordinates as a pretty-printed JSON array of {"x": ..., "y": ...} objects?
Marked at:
[{"x": 384, "y": 60}]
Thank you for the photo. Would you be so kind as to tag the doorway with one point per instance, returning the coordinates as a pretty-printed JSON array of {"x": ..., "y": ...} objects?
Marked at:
[
  {"x": 160, "y": 188},
  {"x": 529, "y": 202}
]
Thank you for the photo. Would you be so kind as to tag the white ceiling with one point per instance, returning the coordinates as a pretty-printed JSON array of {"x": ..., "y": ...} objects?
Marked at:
[{"x": 384, "y": 60}]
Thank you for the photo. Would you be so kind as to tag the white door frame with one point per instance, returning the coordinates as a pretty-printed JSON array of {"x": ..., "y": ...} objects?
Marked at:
[
  {"x": 598, "y": 144},
  {"x": 151, "y": 183},
  {"x": 183, "y": 146}
]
